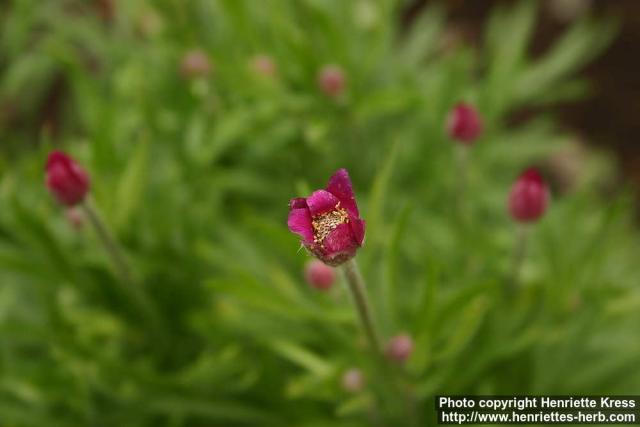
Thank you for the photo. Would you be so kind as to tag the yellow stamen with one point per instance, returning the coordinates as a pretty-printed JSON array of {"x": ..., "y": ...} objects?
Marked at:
[{"x": 325, "y": 223}]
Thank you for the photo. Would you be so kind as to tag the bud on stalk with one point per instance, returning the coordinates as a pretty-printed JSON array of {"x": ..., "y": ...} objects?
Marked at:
[{"x": 65, "y": 179}]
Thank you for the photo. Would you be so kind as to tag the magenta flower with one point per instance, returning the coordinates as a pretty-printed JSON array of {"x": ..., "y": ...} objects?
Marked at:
[
  {"x": 464, "y": 123},
  {"x": 529, "y": 197},
  {"x": 328, "y": 221},
  {"x": 65, "y": 179}
]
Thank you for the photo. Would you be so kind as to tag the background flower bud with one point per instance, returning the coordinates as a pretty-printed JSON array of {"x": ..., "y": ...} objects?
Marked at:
[
  {"x": 399, "y": 348},
  {"x": 263, "y": 65},
  {"x": 464, "y": 123},
  {"x": 65, "y": 179},
  {"x": 319, "y": 275},
  {"x": 74, "y": 217},
  {"x": 195, "y": 63},
  {"x": 529, "y": 197},
  {"x": 331, "y": 80},
  {"x": 353, "y": 380}
]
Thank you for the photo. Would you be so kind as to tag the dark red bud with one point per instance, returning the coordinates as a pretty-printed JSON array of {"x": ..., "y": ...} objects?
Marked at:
[
  {"x": 529, "y": 197},
  {"x": 464, "y": 123},
  {"x": 65, "y": 179}
]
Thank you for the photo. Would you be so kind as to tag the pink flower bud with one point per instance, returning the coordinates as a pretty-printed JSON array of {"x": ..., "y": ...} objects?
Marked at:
[
  {"x": 464, "y": 123},
  {"x": 399, "y": 348},
  {"x": 331, "y": 80},
  {"x": 263, "y": 65},
  {"x": 353, "y": 380},
  {"x": 75, "y": 217},
  {"x": 65, "y": 179},
  {"x": 328, "y": 221},
  {"x": 319, "y": 275},
  {"x": 529, "y": 197},
  {"x": 195, "y": 63}
]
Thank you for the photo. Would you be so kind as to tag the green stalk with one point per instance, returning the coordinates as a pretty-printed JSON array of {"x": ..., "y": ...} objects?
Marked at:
[
  {"x": 519, "y": 254},
  {"x": 462, "y": 168},
  {"x": 392, "y": 377},
  {"x": 358, "y": 292},
  {"x": 127, "y": 283}
]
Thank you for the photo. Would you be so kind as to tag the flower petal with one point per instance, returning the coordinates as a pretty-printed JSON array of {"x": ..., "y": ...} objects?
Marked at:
[
  {"x": 321, "y": 201},
  {"x": 299, "y": 222},
  {"x": 340, "y": 186},
  {"x": 532, "y": 175},
  {"x": 357, "y": 226},
  {"x": 339, "y": 240},
  {"x": 298, "y": 203}
]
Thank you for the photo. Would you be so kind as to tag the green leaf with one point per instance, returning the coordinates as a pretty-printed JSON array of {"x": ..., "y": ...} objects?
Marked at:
[
  {"x": 131, "y": 186},
  {"x": 507, "y": 37},
  {"x": 303, "y": 357},
  {"x": 464, "y": 329},
  {"x": 579, "y": 45},
  {"x": 423, "y": 37},
  {"x": 379, "y": 192}
]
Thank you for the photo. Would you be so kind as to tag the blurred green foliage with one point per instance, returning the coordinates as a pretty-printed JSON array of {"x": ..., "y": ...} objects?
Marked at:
[{"x": 194, "y": 176}]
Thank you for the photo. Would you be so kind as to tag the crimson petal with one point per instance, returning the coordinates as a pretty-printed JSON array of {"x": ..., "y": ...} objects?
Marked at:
[
  {"x": 321, "y": 201},
  {"x": 299, "y": 222},
  {"x": 340, "y": 186},
  {"x": 357, "y": 226},
  {"x": 298, "y": 203},
  {"x": 340, "y": 240}
]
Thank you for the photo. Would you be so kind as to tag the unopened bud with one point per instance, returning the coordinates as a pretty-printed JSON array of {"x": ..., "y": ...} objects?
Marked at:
[
  {"x": 319, "y": 275},
  {"x": 195, "y": 63},
  {"x": 263, "y": 65},
  {"x": 529, "y": 197},
  {"x": 353, "y": 380},
  {"x": 464, "y": 123},
  {"x": 331, "y": 80},
  {"x": 65, "y": 179},
  {"x": 74, "y": 217},
  {"x": 399, "y": 348}
]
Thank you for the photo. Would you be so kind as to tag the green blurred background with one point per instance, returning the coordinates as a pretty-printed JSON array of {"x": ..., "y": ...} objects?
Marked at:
[{"x": 193, "y": 171}]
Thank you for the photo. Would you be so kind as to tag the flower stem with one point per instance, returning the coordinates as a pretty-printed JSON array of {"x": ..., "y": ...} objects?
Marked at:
[
  {"x": 138, "y": 296},
  {"x": 108, "y": 241},
  {"x": 392, "y": 377},
  {"x": 358, "y": 292},
  {"x": 462, "y": 170},
  {"x": 519, "y": 254}
]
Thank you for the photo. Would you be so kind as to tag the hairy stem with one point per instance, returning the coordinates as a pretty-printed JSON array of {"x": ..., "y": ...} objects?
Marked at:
[
  {"x": 519, "y": 253},
  {"x": 462, "y": 166},
  {"x": 392, "y": 377},
  {"x": 358, "y": 292},
  {"x": 109, "y": 242},
  {"x": 137, "y": 294}
]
